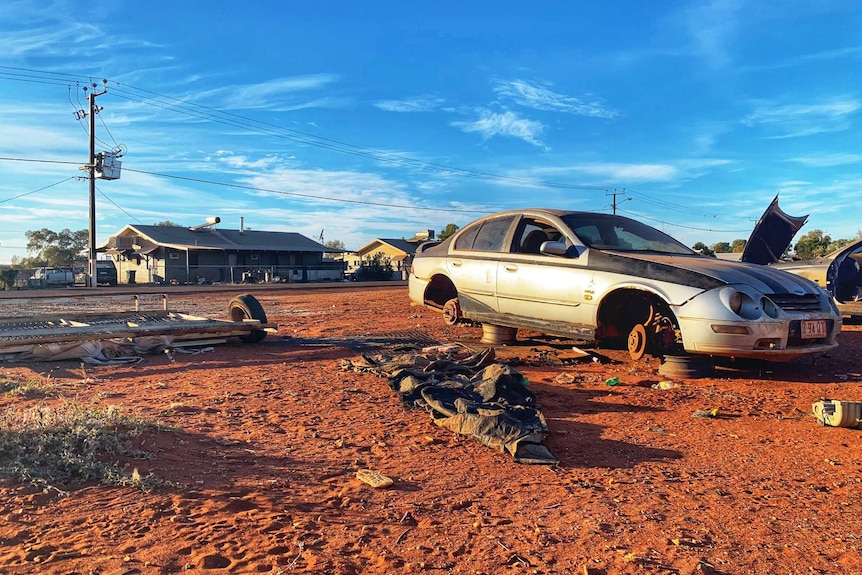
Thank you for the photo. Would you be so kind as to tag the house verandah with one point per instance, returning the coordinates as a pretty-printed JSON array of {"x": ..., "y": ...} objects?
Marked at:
[{"x": 205, "y": 254}]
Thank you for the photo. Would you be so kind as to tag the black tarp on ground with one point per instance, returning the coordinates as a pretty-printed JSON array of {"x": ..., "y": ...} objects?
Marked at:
[{"x": 471, "y": 396}]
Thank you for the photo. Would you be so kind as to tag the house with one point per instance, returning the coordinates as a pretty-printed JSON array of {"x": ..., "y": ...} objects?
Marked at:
[
  {"x": 399, "y": 251},
  {"x": 207, "y": 254}
]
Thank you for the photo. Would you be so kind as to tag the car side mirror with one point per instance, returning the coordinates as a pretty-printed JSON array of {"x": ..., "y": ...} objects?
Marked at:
[{"x": 554, "y": 248}]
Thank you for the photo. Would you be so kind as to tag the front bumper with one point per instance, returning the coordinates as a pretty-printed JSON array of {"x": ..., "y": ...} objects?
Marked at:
[{"x": 774, "y": 340}]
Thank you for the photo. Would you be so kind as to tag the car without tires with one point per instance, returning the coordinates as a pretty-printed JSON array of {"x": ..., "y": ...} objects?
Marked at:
[{"x": 614, "y": 280}]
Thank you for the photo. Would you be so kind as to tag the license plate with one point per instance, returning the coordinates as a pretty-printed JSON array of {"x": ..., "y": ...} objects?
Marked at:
[{"x": 813, "y": 328}]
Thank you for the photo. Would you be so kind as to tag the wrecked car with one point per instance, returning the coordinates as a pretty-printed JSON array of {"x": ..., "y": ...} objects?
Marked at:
[
  {"x": 838, "y": 272},
  {"x": 614, "y": 280}
]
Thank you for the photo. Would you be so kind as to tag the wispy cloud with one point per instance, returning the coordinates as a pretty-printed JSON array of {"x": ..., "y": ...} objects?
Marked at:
[
  {"x": 491, "y": 124},
  {"x": 418, "y": 104},
  {"x": 614, "y": 173},
  {"x": 282, "y": 94},
  {"x": 827, "y": 160},
  {"x": 825, "y": 56},
  {"x": 712, "y": 27},
  {"x": 63, "y": 31},
  {"x": 795, "y": 120},
  {"x": 630, "y": 172},
  {"x": 540, "y": 97}
]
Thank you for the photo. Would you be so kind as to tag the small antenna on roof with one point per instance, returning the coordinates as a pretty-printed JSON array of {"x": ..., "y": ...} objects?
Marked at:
[{"x": 320, "y": 237}]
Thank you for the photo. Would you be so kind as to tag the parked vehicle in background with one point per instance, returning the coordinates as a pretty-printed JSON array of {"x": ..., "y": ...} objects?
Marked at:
[
  {"x": 52, "y": 277},
  {"x": 612, "y": 279},
  {"x": 106, "y": 273},
  {"x": 838, "y": 272}
]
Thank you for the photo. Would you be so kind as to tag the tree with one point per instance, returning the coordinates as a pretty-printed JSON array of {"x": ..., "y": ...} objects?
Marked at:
[
  {"x": 721, "y": 248},
  {"x": 169, "y": 224},
  {"x": 7, "y": 278},
  {"x": 50, "y": 248},
  {"x": 447, "y": 231},
  {"x": 812, "y": 245},
  {"x": 702, "y": 249},
  {"x": 375, "y": 267},
  {"x": 738, "y": 246},
  {"x": 335, "y": 244}
]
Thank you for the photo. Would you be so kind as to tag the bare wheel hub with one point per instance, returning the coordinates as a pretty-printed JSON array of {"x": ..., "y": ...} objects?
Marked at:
[{"x": 637, "y": 342}]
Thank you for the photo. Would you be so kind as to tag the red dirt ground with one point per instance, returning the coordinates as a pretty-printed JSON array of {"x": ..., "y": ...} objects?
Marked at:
[{"x": 266, "y": 439}]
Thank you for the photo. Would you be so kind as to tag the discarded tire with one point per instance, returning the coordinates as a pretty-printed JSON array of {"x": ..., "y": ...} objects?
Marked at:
[
  {"x": 498, "y": 334},
  {"x": 244, "y": 307},
  {"x": 686, "y": 366}
]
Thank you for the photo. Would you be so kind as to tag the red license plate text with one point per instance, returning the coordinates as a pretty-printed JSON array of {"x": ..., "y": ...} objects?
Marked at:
[{"x": 813, "y": 328}]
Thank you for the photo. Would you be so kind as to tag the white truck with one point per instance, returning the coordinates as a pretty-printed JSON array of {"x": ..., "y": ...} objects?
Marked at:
[{"x": 52, "y": 277}]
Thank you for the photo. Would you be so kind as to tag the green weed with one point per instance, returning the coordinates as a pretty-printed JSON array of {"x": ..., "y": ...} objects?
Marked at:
[
  {"x": 30, "y": 388},
  {"x": 71, "y": 443}
]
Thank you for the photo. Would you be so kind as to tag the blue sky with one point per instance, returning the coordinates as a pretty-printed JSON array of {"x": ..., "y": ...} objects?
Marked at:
[{"x": 380, "y": 118}]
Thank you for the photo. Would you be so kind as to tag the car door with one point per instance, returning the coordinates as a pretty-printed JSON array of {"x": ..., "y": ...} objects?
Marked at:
[
  {"x": 843, "y": 277},
  {"x": 538, "y": 287},
  {"x": 472, "y": 265}
]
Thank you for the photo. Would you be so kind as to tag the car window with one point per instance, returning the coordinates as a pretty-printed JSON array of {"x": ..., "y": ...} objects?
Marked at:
[
  {"x": 492, "y": 234},
  {"x": 532, "y": 234},
  {"x": 609, "y": 232},
  {"x": 464, "y": 241}
]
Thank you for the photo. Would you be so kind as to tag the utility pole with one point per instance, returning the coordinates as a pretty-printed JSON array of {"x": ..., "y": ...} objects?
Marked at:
[
  {"x": 615, "y": 194},
  {"x": 91, "y": 265}
]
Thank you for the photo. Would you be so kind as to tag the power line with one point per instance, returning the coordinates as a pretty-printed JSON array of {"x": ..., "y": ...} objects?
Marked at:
[
  {"x": 204, "y": 112},
  {"x": 201, "y": 111},
  {"x": 35, "y": 161},
  {"x": 104, "y": 195},
  {"x": 39, "y": 190},
  {"x": 641, "y": 216},
  {"x": 325, "y": 198},
  {"x": 299, "y": 195}
]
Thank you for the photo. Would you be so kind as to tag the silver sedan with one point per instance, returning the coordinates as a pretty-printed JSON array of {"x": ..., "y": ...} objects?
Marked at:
[{"x": 611, "y": 279}]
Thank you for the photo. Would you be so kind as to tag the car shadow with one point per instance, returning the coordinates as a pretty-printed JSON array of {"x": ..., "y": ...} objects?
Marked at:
[
  {"x": 582, "y": 444},
  {"x": 829, "y": 367}
]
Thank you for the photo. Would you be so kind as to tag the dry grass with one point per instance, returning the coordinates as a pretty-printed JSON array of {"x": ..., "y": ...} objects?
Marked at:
[
  {"x": 71, "y": 444},
  {"x": 30, "y": 388}
]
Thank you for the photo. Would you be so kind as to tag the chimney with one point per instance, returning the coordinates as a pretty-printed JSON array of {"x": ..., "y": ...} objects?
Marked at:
[{"x": 241, "y": 224}]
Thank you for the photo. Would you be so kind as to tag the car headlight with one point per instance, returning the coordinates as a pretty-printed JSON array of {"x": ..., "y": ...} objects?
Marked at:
[
  {"x": 735, "y": 302},
  {"x": 769, "y": 308},
  {"x": 742, "y": 304}
]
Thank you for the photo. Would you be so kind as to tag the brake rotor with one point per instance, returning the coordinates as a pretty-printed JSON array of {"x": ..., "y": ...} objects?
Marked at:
[{"x": 637, "y": 342}]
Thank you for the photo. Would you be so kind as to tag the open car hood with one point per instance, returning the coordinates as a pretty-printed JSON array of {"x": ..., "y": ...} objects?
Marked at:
[{"x": 771, "y": 235}]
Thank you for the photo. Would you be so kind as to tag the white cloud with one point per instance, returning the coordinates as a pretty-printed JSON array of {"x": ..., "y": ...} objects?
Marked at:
[
  {"x": 418, "y": 104},
  {"x": 712, "y": 27},
  {"x": 827, "y": 160},
  {"x": 630, "y": 172},
  {"x": 283, "y": 94},
  {"x": 540, "y": 97},
  {"x": 491, "y": 124},
  {"x": 795, "y": 120}
]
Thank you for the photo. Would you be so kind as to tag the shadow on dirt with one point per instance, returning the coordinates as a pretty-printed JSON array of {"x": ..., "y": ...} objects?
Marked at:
[
  {"x": 580, "y": 444},
  {"x": 828, "y": 367}
]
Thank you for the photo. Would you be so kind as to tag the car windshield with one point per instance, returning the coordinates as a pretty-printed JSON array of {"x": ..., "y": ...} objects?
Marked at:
[{"x": 608, "y": 232}]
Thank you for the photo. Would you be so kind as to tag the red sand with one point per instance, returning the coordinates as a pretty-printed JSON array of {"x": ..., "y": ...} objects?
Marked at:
[{"x": 267, "y": 439}]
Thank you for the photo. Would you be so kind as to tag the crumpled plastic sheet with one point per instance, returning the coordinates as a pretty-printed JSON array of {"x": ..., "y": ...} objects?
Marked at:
[
  {"x": 104, "y": 352},
  {"x": 472, "y": 395}
]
